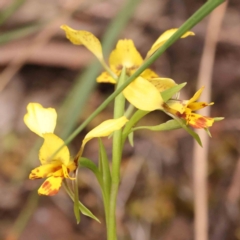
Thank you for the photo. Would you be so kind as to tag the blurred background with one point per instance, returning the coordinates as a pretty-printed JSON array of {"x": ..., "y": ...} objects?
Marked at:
[{"x": 156, "y": 198}]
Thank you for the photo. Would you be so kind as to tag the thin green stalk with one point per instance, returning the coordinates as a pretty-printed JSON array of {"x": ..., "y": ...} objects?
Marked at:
[
  {"x": 190, "y": 23},
  {"x": 119, "y": 107},
  {"x": 135, "y": 118},
  {"x": 67, "y": 189},
  {"x": 108, "y": 69},
  {"x": 129, "y": 111}
]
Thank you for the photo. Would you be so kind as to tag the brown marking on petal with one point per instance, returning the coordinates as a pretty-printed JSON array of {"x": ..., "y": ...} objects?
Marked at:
[
  {"x": 33, "y": 176},
  {"x": 133, "y": 67},
  {"x": 52, "y": 192},
  {"x": 56, "y": 168},
  {"x": 204, "y": 105},
  {"x": 119, "y": 67},
  {"x": 181, "y": 115},
  {"x": 200, "y": 123},
  {"x": 46, "y": 185},
  {"x": 37, "y": 170}
]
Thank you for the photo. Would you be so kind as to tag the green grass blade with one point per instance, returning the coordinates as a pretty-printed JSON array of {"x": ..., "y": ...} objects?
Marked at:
[{"x": 20, "y": 32}]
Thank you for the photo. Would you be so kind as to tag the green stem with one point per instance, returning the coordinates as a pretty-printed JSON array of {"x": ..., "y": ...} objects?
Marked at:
[
  {"x": 68, "y": 190},
  {"x": 119, "y": 106},
  {"x": 84, "y": 162},
  {"x": 190, "y": 23},
  {"x": 129, "y": 111},
  {"x": 134, "y": 119}
]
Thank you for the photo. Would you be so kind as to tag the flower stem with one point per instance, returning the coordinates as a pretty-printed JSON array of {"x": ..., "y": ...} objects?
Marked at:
[
  {"x": 134, "y": 119},
  {"x": 119, "y": 106},
  {"x": 129, "y": 111},
  {"x": 108, "y": 69}
]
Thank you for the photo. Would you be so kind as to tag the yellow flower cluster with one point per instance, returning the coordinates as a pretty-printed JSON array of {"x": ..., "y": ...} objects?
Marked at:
[
  {"x": 185, "y": 109},
  {"x": 144, "y": 91}
]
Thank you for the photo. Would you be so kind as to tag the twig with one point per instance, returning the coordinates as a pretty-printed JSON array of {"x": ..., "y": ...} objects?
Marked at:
[
  {"x": 53, "y": 54},
  {"x": 200, "y": 154}
]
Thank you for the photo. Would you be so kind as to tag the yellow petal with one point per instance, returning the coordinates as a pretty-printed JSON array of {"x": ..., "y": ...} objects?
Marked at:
[
  {"x": 199, "y": 121},
  {"x": 71, "y": 166},
  {"x": 66, "y": 172},
  {"x": 163, "y": 38},
  {"x": 84, "y": 38},
  {"x": 176, "y": 106},
  {"x": 105, "y": 78},
  {"x": 149, "y": 74},
  {"x": 198, "y": 105},
  {"x": 126, "y": 55},
  {"x": 51, "y": 144},
  {"x": 51, "y": 186},
  {"x": 143, "y": 95},
  {"x": 162, "y": 83},
  {"x": 196, "y": 96},
  {"x": 45, "y": 170},
  {"x": 39, "y": 119},
  {"x": 106, "y": 128}
]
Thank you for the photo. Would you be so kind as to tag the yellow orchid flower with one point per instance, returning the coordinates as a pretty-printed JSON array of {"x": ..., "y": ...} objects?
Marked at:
[
  {"x": 184, "y": 109},
  {"x": 106, "y": 128},
  {"x": 42, "y": 121},
  {"x": 55, "y": 166},
  {"x": 126, "y": 55}
]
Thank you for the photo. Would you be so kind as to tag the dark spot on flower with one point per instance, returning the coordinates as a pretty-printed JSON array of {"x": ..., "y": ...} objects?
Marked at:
[
  {"x": 53, "y": 192},
  {"x": 56, "y": 168},
  {"x": 181, "y": 115},
  {"x": 133, "y": 67},
  {"x": 34, "y": 176},
  {"x": 200, "y": 123},
  {"x": 119, "y": 67},
  {"x": 46, "y": 185}
]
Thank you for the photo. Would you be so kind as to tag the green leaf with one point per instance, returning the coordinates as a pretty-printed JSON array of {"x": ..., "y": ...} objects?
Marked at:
[
  {"x": 104, "y": 168},
  {"x": 87, "y": 163},
  {"x": 76, "y": 209},
  {"x": 76, "y": 200},
  {"x": 130, "y": 139},
  {"x": 85, "y": 211},
  {"x": 167, "y": 94},
  {"x": 189, "y": 130},
  {"x": 169, "y": 125}
]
